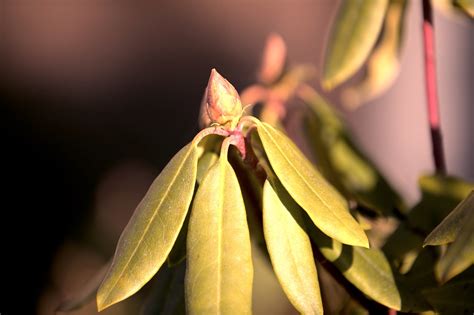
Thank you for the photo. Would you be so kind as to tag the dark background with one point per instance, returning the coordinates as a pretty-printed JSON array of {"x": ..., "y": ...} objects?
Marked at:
[{"x": 96, "y": 97}]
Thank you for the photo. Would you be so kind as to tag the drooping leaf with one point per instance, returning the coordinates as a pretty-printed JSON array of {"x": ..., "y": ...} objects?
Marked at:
[
  {"x": 86, "y": 293},
  {"x": 205, "y": 162},
  {"x": 455, "y": 296},
  {"x": 383, "y": 63},
  {"x": 447, "y": 231},
  {"x": 353, "y": 35},
  {"x": 460, "y": 254},
  {"x": 219, "y": 266},
  {"x": 370, "y": 272},
  {"x": 325, "y": 206},
  {"x": 166, "y": 296},
  {"x": 467, "y": 6},
  {"x": 340, "y": 160},
  {"x": 290, "y": 249},
  {"x": 151, "y": 232}
]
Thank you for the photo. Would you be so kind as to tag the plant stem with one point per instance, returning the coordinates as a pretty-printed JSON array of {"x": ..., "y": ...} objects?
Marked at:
[{"x": 431, "y": 88}]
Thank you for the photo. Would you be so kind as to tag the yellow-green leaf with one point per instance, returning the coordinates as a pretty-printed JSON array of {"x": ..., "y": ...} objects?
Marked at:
[
  {"x": 219, "y": 266},
  {"x": 205, "y": 162},
  {"x": 86, "y": 293},
  {"x": 447, "y": 231},
  {"x": 467, "y": 6},
  {"x": 383, "y": 63},
  {"x": 353, "y": 35},
  {"x": 290, "y": 249},
  {"x": 370, "y": 272},
  {"x": 151, "y": 232},
  {"x": 325, "y": 206},
  {"x": 460, "y": 254},
  {"x": 342, "y": 162}
]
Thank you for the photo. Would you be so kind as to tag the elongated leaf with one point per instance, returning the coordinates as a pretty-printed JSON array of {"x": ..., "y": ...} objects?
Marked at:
[
  {"x": 455, "y": 296},
  {"x": 205, "y": 162},
  {"x": 467, "y": 6},
  {"x": 383, "y": 63},
  {"x": 290, "y": 250},
  {"x": 219, "y": 266},
  {"x": 460, "y": 254},
  {"x": 86, "y": 294},
  {"x": 370, "y": 272},
  {"x": 447, "y": 231},
  {"x": 354, "y": 33},
  {"x": 310, "y": 190},
  {"x": 342, "y": 162},
  {"x": 151, "y": 232}
]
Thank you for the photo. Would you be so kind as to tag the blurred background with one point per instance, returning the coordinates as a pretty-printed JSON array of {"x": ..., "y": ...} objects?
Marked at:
[{"x": 97, "y": 96}]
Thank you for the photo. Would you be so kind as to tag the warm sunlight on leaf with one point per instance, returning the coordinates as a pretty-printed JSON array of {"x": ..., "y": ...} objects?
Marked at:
[
  {"x": 149, "y": 236},
  {"x": 325, "y": 206},
  {"x": 219, "y": 265},
  {"x": 383, "y": 64},
  {"x": 290, "y": 249},
  {"x": 354, "y": 33}
]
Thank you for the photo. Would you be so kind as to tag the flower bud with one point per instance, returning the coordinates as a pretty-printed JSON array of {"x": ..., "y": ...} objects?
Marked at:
[{"x": 223, "y": 102}]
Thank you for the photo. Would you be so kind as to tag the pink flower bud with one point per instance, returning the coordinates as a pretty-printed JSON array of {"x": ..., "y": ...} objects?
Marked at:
[{"x": 223, "y": 102}]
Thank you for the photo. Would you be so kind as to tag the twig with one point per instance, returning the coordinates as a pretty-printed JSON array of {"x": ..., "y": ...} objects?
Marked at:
[{"x": 431, "y": 88}]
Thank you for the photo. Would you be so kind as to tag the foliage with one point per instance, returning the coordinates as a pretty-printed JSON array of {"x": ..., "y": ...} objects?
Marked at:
[{"x": 242, "y": 182}]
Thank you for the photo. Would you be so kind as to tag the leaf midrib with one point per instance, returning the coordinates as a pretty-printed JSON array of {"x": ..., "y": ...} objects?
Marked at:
[
  {"x": 304, "y": 180},
  {"x": 219, "y": 234},
  {"x": 180, "y": 168}
]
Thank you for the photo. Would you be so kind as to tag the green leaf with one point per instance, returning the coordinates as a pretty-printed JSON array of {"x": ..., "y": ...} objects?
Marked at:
[
  {"x": 206, "y": 160},
  {"x": 370, "y": 272},
  {"x": 340, "y": 160},
  {"x": 357, "y": 26},
  {"x": 455, "y": 296},
  {"x": 447, "y": 231},
  {"x": 383, "y": 64},
  {"x": 290, "y": 250},
  {"x": 219, "y": 264},
  {"x": 151, "y": 232},
  {"x": 309, "y": 189},
  {"x": 460, "y": 254},
  {"x": 467, "y": 6},
  {"x": 86, "y": 293}
]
